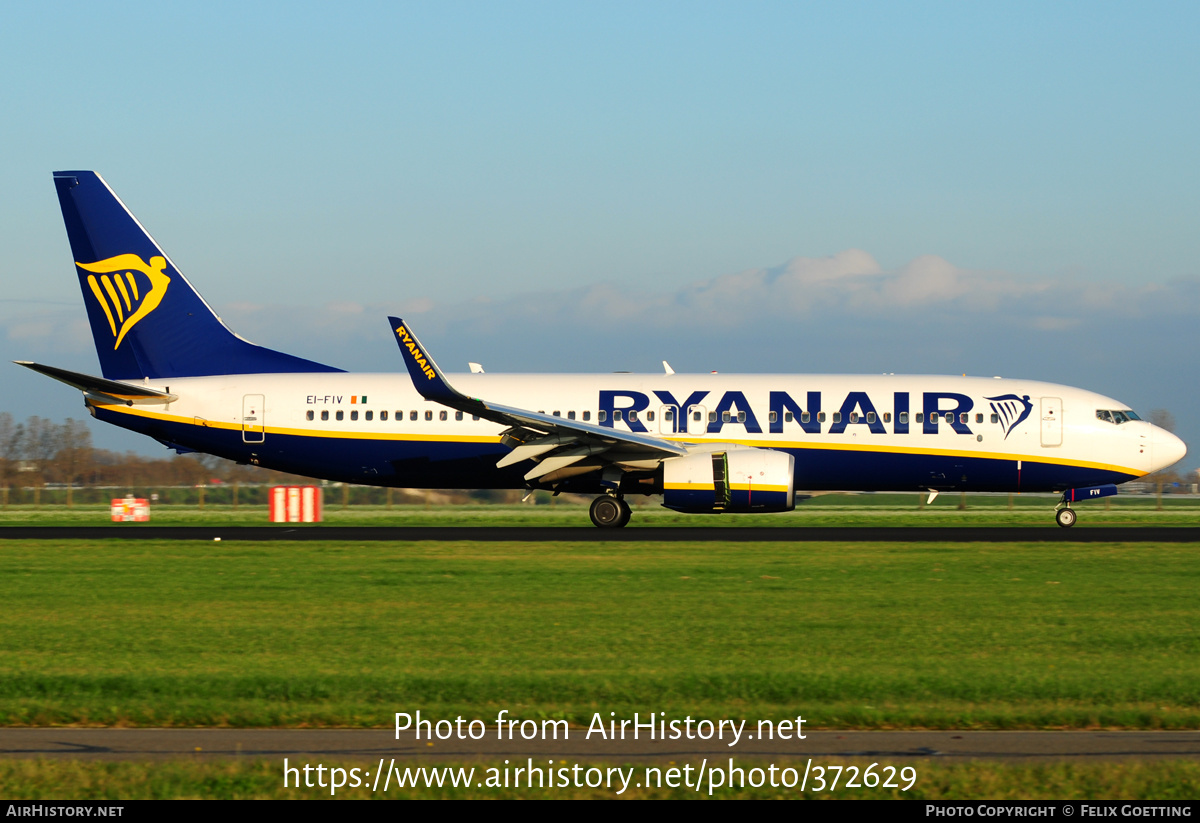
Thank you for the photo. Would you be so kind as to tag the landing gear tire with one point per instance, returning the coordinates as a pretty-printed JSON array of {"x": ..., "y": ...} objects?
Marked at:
[
  {"x": 609, "y": 512},
  {"x": 626, "y": 512},
  {"x": 1065, "y": 517}
]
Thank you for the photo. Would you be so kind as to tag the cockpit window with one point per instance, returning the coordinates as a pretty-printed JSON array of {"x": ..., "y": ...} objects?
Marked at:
[{"x": 1116, "y": 416}]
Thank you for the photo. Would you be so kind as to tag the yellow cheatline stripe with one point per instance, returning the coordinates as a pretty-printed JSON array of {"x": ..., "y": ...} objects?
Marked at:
[
  {"x": 190, "y": 420},
  {"x": 108, "y": 287},
  {"x": 703, "y": 487},
  {"x": 103, "y": 303},
  {"x": 884, "y": 449},
  {"x": 454, "y": 438},
  {"x": 132, "y": 284}
]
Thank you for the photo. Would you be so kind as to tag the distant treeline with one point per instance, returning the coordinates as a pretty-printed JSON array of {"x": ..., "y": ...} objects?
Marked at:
[{"x": 43, "y": 462}]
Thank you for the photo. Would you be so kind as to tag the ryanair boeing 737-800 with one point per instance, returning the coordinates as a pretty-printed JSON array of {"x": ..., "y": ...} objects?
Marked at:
[{"x": 707, "y": 443}]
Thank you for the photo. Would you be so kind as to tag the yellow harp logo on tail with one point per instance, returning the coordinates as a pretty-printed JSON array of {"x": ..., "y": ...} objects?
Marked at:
[{"x": 124, "y": 300}]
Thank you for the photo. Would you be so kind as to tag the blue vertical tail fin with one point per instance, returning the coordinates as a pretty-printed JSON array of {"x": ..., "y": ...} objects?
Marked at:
[{"x": 146, "y": 319}]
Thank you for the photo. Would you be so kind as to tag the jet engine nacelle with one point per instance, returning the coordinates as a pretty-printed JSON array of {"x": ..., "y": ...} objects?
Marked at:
[{"x": 738, "y": 480}]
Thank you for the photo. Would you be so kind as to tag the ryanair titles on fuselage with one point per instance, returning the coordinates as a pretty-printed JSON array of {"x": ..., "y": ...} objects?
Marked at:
[
  {"x": 857, "y": 409},
  {"x": 933, "y": 409}
]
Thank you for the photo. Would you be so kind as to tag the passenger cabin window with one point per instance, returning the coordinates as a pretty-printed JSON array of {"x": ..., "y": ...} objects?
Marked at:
[
  {"x": 632, "y": 416},
  {"x": 650, "y": 416},
  {"x": 570, "y": 415},
  {"x": 617, "y": 413},
  {"x": 870, "y": 417},
  {"x": 837, "y": 417},
  {"x": 587, "y": 415},
  {"x": 772, "y": 417},
  {"x": 340, "y": 414},
  {"x": 919, "y": 417},
  {"x": 787, "y": 417},
  {"x": 978, "y": 417},
  {"x": 412, "y": 415},
  {"x": 995, "y": 417},
  {"x": 556, "y": 413},
  {"x": 805, "y": 417},
  {"x": 853, "y": 417},
  {"x": 712, "y": 417},
  {"x": 669, "y": 415},
  {"x": 309, "y": 416},
  {"x": 696, "y": 416},
  {"x": 354, "y": 414},
  {"x": 741, "y": 417},
  {"x": 383, "y": 415},
  {"x": 458, "y": 415},
  {"x": 903, "y": 418},
  {"x": 442, "y": 415},
  {"x": 429, "y": 415},
  {"x": 725, "y": 417},
  {"x": 820, "y": 417},
  {"x": 887, "y": 417},
  {"x": 962, "y": 418},
  {"x": 601, "y": 416},
  {"x": 324, "y": 415}
]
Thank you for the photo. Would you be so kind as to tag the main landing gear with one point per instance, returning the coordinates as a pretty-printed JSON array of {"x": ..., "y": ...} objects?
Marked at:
[{"x": 609, "y": 511}]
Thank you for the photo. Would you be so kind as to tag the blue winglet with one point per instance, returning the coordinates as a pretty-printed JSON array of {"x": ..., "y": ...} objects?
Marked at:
[{"x": 426, "y": 376}]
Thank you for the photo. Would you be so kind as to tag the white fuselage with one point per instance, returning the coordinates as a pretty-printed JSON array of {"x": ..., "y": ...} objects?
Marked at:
[{"x": 846, "y": 431}]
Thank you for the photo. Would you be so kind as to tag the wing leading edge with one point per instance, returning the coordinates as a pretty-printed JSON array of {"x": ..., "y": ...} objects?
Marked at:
[{"x": 554, "y": 442}]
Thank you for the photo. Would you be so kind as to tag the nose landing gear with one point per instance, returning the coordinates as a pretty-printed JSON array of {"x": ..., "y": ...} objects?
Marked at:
[
  {"x": 609, "y": 511},
  {"x": 1065, "y": 517}
]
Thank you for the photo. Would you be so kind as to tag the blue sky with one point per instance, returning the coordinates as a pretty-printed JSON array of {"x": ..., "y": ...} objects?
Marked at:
[{"x": 532, "y": 170}]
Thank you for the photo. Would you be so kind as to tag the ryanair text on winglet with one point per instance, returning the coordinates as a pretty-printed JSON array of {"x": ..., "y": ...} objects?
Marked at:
[{"x": 410, "y": 344}]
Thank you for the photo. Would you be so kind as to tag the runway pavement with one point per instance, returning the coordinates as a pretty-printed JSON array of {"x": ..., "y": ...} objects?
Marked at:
[
  {"x": 371, "y": 744},
  {"x": 689, "y": 534}
]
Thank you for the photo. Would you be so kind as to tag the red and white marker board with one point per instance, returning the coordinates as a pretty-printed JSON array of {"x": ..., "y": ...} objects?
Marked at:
[
  {"x": 297, "y": 504},
  {"x": 130, "y": 510}
]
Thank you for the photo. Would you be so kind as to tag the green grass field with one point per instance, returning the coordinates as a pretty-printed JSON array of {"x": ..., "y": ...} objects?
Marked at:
[
  {"x": 869, "y": 636},
  {"x": 824, "y": 510},
  {"x": 944, "y": 635}
]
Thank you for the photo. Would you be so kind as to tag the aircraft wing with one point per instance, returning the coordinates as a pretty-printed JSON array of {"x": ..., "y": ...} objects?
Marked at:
[{"x": 554, "y": 442}]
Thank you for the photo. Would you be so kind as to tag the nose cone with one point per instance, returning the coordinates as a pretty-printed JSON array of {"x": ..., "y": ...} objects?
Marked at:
[{"x": 1168, "y": 449}]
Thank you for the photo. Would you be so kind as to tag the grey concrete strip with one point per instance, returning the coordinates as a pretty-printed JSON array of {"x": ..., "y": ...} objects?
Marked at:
[
  {"x": 372, "y": 744},
  {"x": 1049, "y": 533}
]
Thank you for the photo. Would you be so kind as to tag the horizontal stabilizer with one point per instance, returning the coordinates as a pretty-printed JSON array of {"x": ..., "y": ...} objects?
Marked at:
[{"x": 126, "y": 393}]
